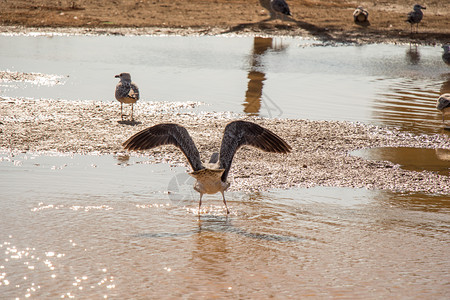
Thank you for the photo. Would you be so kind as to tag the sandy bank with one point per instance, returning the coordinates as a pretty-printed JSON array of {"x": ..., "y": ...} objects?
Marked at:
[{"x": 320, "y": 153}]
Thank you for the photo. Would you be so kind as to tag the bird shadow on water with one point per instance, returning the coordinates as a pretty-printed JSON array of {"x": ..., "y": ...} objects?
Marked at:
[
  {"x": 128, "y": 122},
  {"x": 221, "y": 224}
]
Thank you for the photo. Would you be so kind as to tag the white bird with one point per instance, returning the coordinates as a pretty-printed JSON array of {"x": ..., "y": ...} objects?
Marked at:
[
  {"x": 210, "y": 178},
  {"x": 415, "y": 16},
  {"x": 280, "y": 6},
  {"x": 446, "y": 54},
  {"x": 126, "y": 92},
  {"x": 443, "y": 104},
  {"x": 360, "y": 15}
]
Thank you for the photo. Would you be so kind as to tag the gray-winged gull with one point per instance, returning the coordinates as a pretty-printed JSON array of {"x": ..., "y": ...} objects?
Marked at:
[
  {"x": 415, "y": 16},
  {"x": 280, "y": 6},
  {"x": 211, "y": 177},
  {"x": 126, "y": 92},
  {"x": 360, "y": 15},
  {"x": 443, "y": 104}
]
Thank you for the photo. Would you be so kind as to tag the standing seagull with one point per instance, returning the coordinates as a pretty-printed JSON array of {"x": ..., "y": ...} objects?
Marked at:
[
  {"x": 360, "y": 15},
  {"x": 280, "y": 6},
  {"x": 415, "y": 16},
  {"x": 126, "y": 92},
  {"x": 443, "y": 104},
  {"x": 211, "y": 177}
]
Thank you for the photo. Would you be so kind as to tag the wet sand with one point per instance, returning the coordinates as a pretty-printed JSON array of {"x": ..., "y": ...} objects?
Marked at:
[
  {"x": 331, "y": 20},
  {"x": 320, "y": 155}
]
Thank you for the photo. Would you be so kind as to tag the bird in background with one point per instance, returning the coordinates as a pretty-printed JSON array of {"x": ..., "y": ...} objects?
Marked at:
[
  {"x": 443, "y": 104},
  {"x": 446, "y": 54},
  {"x": 126, "y": 92},
  {"x": 212, "y": 177},
  {"x": 360, "y": 15},
  {"x": 280, "y": 7},
  {"x": 415, "y": 16}
]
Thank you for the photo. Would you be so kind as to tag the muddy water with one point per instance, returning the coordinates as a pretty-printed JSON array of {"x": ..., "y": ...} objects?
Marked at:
[
  {"x": 105, "y": 227},
  {"x": 394, "y": 85},
  {"x": 416, "y": 159}
]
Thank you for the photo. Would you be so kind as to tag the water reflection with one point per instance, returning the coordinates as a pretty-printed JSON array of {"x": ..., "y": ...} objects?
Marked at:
[
  {"x": 254, "y": 96},
  {"x": 413, "y": 202},
  {"x": 411, "y": 106},
  {"x": 445, "y": 88},
  {"x": 375, "y": 84},
  {"x": 224, "y": 224},
  {"x": 416, "y": 159},
  {"x": 122, "y": 159},
  {"x": 343, "y": 241},
  {"x": 446, "y": 54},
  {"x": 413, "y": 54}
]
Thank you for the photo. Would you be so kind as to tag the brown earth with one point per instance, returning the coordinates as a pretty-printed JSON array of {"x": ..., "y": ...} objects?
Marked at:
[{"x": 328, "y": 20}]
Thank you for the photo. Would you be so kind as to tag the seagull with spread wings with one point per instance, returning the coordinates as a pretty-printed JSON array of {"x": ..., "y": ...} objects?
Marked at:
[{"x": 211, "y": 177}]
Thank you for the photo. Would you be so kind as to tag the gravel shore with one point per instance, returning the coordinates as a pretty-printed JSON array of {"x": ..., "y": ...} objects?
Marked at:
[{"x": 320, "y": 154}]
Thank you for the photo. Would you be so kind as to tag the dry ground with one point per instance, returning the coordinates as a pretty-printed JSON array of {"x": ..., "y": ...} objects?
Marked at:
[{"x": 325, "y": 19}]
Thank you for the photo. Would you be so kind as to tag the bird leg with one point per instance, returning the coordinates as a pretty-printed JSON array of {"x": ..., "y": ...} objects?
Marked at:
[
  {"x": 200, "y": 203},
  {"x": 132, "y": 105},
  {"x": 121, "y": 110},
  {"x": 225, "y": 202}
]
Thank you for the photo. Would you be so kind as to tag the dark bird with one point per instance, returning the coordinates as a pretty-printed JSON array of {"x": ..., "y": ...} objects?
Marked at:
[
  {"x": 360, "y": 15},
  {"x": 126, "y": 92},
  {"x": 443, "y": 104},
  {"x": 211, "y": 177},
  {"x": 280, "y": 7},
  {"x": 415, "y": 16}
]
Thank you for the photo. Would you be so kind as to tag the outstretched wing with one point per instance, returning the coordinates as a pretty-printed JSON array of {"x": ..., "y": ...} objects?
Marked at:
[
  {"x": 239, "y": 133},
  {"x": 166, "y": 134}
]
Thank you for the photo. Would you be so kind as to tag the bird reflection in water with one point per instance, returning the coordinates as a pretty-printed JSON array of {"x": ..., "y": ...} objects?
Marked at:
[
  {"x": 413, "y": 54},
  {"x": 122, "y": 159},
  {"x": 446, "y": 54},
  {"x": 442, "y": 104},
  {"x": 254, "y": 96}
]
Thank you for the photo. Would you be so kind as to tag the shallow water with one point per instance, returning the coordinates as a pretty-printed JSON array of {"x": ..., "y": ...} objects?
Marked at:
[
  {"x": 415, "y": 159},
  {"x": 394, "y": 85},
  {"x": 105, "y": 226},
  {"x": 123, "y": 227}
]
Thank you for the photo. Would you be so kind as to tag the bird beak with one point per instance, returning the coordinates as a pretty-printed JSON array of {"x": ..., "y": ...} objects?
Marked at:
[
  {"x": 117, "y": 76},
  {"x": 423, "y": 7}
]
